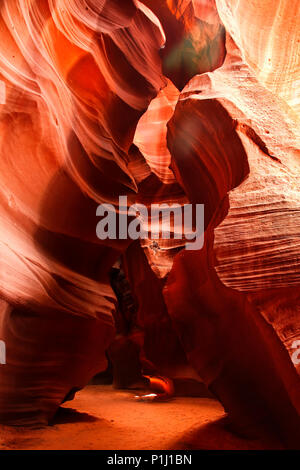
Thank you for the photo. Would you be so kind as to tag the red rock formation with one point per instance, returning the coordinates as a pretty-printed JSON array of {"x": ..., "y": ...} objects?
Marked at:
[
  {"x": 153, "y": 100},
  {"x": 68, "y": 74},
  {"x": 223, "y": 334}
]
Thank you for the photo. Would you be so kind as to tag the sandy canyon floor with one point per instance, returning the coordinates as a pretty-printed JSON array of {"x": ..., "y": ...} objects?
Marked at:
[{"x": 101, "y": 418}]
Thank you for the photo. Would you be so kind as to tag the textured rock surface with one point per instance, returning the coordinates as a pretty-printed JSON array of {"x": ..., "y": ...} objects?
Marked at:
[
  {"x": 163, "y": 101},
  {"x": 268, "y": 35}
]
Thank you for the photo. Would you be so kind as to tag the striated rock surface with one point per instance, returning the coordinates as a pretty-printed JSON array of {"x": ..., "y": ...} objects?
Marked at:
[
  {"x": 268, "y": 36},
  {"x": 164, "y": 101},
  {"x": 68, "y": 72}
]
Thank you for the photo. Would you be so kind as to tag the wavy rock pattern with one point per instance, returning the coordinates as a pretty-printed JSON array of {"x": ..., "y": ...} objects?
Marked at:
[
  {"x": 65, "y": 144},
  {"x": 268, "y": 35},
  {"x": 163, "y": 101},
  {"x": 269, "y": 196}
]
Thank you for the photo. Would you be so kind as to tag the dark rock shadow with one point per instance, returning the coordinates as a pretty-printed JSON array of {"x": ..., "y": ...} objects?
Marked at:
[
  {"x": 217, "y": 436},
  {"x": 70, "y": 415}
]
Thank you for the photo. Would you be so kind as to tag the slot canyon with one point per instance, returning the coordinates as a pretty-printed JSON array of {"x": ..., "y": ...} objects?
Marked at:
[{"x": 120, "y": 331}]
